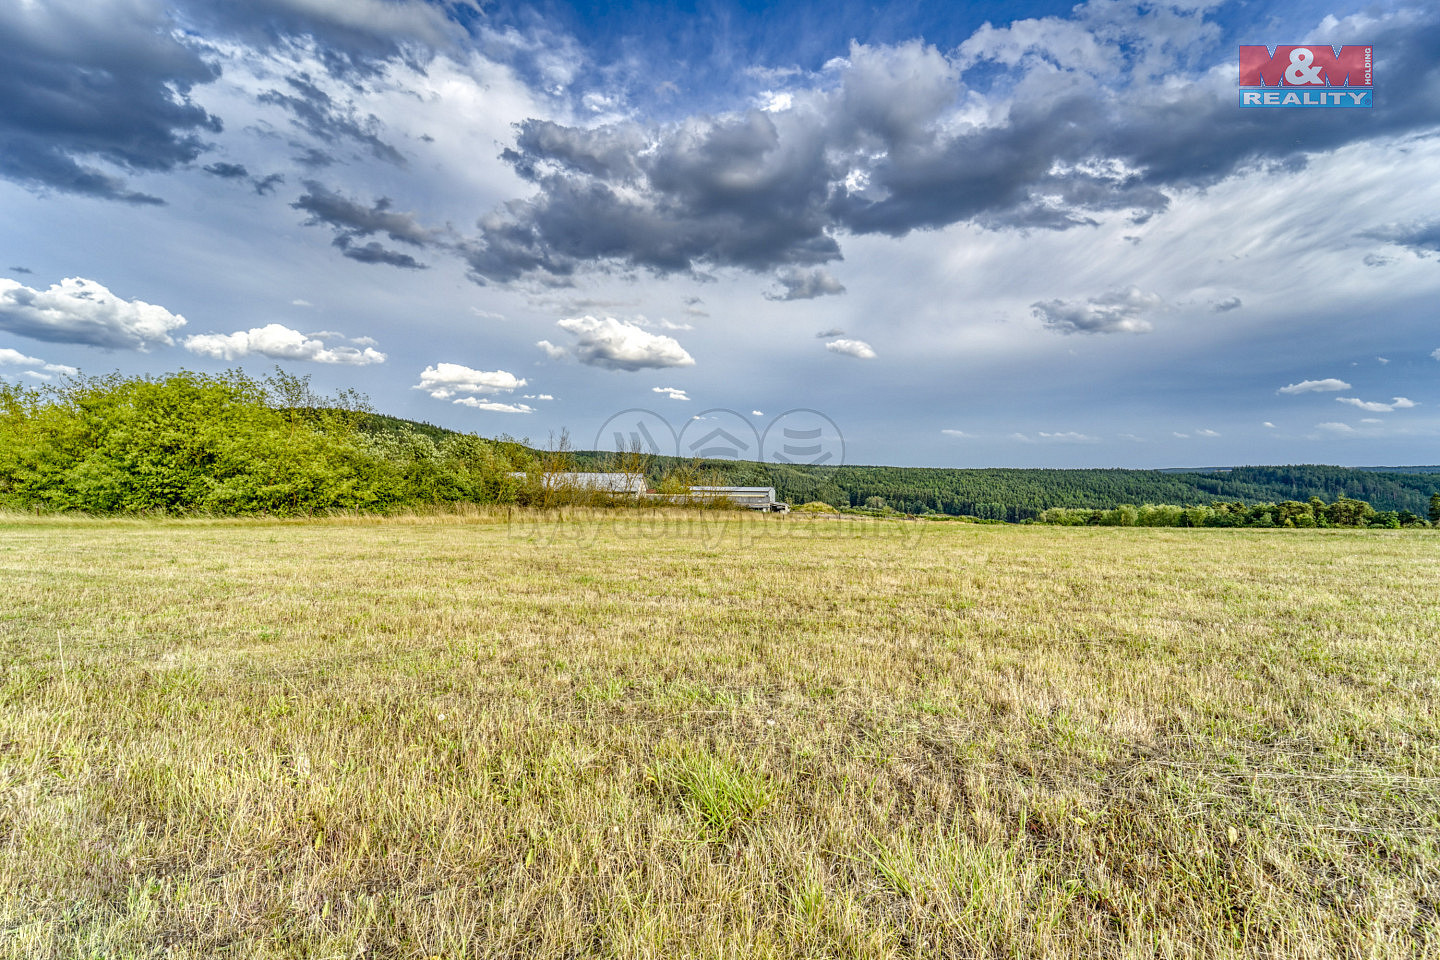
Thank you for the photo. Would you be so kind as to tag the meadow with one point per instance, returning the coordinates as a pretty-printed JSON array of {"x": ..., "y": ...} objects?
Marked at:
[{"x": 494, "y": 733}]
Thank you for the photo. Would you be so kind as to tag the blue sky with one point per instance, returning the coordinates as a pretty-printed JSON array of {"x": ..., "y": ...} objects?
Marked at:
[{"x": 987, "y": 234}]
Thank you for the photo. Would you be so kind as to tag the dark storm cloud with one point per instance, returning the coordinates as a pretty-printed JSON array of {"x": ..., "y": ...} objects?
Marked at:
[
  {"x": 327, "y": 207},
  {"x": 323, "y": 117},
  {"x": 227, "y": 171},
  {"x": 883, "y": 150},
  {"x": 353, "y": 221},
  {"x": 87, "y": 81},
  {"x": 266, "y": 185},
  {"x": 374, "y": 252},
  {"x": 729, "y": 191}
]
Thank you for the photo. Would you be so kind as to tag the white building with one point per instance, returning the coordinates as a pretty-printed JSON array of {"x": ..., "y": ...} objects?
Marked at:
[
  {"x": 755, "y": 498},
  {"x": 628, "y": 483}
]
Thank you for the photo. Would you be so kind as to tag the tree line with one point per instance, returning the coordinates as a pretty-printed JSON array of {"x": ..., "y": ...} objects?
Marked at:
[
  {"x": 232, "y": 444},
  {"x": 1343, "y": 512}
]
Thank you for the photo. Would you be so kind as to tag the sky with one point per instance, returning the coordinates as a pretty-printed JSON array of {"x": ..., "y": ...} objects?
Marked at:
[{"x": 968, "y": 235}]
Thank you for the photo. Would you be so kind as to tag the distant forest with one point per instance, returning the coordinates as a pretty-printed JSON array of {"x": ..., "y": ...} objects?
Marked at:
[
  {"x": 232, "y": 444},
  {"x": 1014, "y": 494}
]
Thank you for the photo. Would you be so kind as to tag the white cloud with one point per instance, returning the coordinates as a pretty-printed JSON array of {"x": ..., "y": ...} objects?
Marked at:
[
  {"x": 279, "y": 343},
  {"x": 1382, "y": 359},
  {"x": 301, "y": 303},
  {"x": 1068, "y": 436},
  {"x": 1132, "y": 438},
  {"x": 494, "y": 406},
  {"x": 536, "y": 396},
  {"x": 1371, "y": 420},
  {"x": 1435, "y": 353},
  {"x": 674, "y": 393},
  {"x": 773, "y": 102},
  {"x": 756, "y": 413},
  {"x": 443, "y": 380},
  {"x": 1315, "y": 386},
  {"x": 1375, "y": 406},
  {"x": 617, "y": 345},
  {"x": 1021, "y": 437},
  {"x": 77, "y": 310},
  {"x": 1206, "y": 433},
  {"x": 1119, "y": 311},
  {"x": 36, "y": 367},
  {"x": 958, "y": 433},
  {"x": 1334, "y": 427},
  {"x": 1267, "y": 423},
  {"x": 551, "y": 350},
  {"x": 1179, "y": 435},
  {"x": 852, "y": 348}
]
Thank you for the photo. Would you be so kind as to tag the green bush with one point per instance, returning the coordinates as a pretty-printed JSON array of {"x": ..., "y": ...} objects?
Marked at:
[{"x": 225, "y": 444}]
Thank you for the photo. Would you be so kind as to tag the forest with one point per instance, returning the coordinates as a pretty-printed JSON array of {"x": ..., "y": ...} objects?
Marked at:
[{"x": 232, "y": 444}]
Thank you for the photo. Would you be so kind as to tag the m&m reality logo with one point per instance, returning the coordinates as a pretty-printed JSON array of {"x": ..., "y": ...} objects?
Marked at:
[{"x": 1314, "y": 75}]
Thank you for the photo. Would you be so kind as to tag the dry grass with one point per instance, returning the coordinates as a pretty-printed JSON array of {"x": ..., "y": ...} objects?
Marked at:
[{"x": 682, "y": 736}]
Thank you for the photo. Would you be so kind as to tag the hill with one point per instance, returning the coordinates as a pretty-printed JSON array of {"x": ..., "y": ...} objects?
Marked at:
[{"x": 1014, "y": 494}]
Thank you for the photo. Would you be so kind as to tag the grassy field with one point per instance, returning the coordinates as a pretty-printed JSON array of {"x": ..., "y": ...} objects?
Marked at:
[{"x": 715, "y": 736}]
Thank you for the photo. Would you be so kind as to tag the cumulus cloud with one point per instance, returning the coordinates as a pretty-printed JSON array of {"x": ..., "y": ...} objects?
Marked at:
[
  {"x": 1121, "y": 311},
  {"x": 1373, "y": 406},
  {"x": 279, "y": 342},
  {"x": 445, "y": 380},
  {"x": 852, "y": 348},
  {"x": 494, "y": 406},
  {"x": 674, "y": 393},
  {"x": 618, "y": 345},
  {"x": 35, "y": 367},
  {"x": 800, "y": 284},
  {"x": 77, "y": 310},
  {"x": 1328, "y": 385}
]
